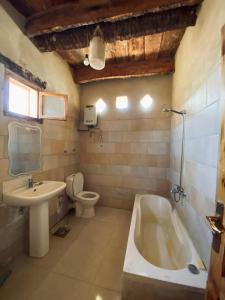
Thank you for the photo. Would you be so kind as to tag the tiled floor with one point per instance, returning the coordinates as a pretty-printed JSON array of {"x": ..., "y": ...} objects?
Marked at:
[{"x": 86, "y": 265}]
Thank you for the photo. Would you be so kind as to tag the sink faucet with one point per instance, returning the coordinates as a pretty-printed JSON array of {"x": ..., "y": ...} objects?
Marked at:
[{"x": 31, "y": 183}]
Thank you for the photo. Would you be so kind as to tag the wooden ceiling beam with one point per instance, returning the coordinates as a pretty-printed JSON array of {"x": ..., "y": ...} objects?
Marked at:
[
  {"x": 80, "y": 13},
  {"x": 124, "y": 70},
  {"x": 147, "y": 24}
]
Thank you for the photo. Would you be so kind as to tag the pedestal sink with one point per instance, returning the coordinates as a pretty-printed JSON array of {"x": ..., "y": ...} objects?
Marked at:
[{"x": 36, "y": 198}]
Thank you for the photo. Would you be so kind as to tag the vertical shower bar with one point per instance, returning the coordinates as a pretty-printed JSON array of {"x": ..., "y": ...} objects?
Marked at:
[
  {"x": 182, "y": 151},
  {"x": 178, "y": 190}
]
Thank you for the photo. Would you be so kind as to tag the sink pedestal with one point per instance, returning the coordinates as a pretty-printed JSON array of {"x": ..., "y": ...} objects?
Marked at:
[
  {"x": 17, "y": 194},
  {"x": 39, "y": 230}
]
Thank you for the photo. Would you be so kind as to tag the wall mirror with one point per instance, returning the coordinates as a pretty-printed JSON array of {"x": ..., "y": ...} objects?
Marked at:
[
  {"x": 52, "y": 106},
  {"x": 24, "y": 148}
]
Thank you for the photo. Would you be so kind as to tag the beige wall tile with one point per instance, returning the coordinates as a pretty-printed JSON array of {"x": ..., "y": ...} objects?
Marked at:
[
  {"x": 161, "y": 161},
  {"x": 131, "y": 152},
  {"x": 2, "y": 146},
  {"x": 99, "y": 147},
  {"x": 136, "y": 125},
  {"x": 197, "y": 88}
]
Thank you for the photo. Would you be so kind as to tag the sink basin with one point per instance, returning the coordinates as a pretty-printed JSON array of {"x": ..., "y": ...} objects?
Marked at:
[
  {"x": 36, "y": 198},
  {"x": 24, "y": 196}
]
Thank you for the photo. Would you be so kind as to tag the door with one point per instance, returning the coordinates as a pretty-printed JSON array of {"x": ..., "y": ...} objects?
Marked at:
[{"x": 216, "y": 281}]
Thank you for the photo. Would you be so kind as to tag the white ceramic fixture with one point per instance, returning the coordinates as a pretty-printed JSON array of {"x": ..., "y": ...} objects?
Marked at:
[
  {"x": 160, "y": 254},
  {"x": 85, "y": 200},
  {"x": 36, "y": 198},
  {"x": 86, "y": 61}
]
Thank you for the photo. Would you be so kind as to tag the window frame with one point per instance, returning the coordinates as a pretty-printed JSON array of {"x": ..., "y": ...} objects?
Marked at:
[
  {"x": 9, "y": 74},
  {"x": 61, "y": 97},
  {"x": 40, "y": 93}
]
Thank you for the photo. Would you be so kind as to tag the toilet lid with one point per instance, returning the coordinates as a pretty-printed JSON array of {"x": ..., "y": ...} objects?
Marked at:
[{"x": 78, "y": 183}]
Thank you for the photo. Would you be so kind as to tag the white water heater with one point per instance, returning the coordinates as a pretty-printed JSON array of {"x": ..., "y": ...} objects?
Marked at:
[{"x": 90, "y": 115}]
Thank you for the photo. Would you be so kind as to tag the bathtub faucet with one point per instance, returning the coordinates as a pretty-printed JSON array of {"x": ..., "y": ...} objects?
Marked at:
[{"x": 178, "y": 193}]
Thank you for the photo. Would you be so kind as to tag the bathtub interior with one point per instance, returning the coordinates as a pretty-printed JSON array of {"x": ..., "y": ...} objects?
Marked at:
[{"x": 158, "y": 235}]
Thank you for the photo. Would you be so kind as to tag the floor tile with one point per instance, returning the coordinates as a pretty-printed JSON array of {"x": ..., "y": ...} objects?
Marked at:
[
  {"x": 106, "y": 214},
  {"x": 81, "y": 261},
  {"x": 75, "y": 224},
  {"x": 99, "y": 293},
  {"x": 119, "y": 236},
  {"x": 24, "y": 280},
  {"x": 97, "y": 232},
  {"x": 124, "y": 216},
  {"x": 59, "y": 287},
  {"x": 113, "y": 215},
  {"x": 110, "y": 272}
]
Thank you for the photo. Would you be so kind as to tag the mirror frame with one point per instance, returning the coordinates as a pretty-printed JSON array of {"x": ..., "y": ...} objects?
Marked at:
[{"x": 11, "y": 127}]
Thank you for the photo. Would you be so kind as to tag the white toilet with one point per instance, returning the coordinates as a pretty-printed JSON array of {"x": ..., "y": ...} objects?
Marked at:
[{"x": 85, "y": 201}]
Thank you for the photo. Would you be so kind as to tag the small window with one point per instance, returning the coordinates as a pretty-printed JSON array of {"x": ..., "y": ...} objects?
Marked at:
[
  {"x": 121, "y": 102},
  {"x": 52, "y": 106},
  {"x": 100, "y": 105},
  {"x": 146, "y": 101},
  {"x": 22, "y": 99}
]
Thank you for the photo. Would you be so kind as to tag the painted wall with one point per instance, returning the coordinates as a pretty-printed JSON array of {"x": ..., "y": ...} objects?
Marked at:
[
  {"x": 197, "y": 88},
  {"x": 130, "y": 152},
  {"x": 58, "y": 136}
]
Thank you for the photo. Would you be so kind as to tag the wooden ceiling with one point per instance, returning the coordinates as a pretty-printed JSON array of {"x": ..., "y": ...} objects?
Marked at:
[{"x": 142, "y": 36}]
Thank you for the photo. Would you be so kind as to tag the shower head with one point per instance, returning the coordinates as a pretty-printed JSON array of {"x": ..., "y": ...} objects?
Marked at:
[{"x": 182, "y": 112}]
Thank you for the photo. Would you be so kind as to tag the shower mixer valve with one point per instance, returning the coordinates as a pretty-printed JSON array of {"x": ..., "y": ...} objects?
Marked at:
[{"x": 178, "y": 190}]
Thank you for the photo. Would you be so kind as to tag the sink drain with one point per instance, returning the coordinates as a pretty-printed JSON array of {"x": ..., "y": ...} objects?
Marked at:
[{"x": 193, "y": 269}]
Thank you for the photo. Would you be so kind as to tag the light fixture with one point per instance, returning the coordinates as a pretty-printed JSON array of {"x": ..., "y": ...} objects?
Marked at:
[
  {"x": 100, "y": 105},
  {"x": 86, "y": 60},
  {"x": 121, "y": 102},
  {"x": 97, "y": 50},
  {"x": 146, "y": 101}
]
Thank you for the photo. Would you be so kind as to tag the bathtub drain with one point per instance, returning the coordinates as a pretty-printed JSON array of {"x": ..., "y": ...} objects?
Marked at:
[{"x": 193, "y": 269}]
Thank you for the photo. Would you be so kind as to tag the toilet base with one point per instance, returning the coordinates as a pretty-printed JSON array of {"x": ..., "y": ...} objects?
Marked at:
[{"x": 83, "y": 211}]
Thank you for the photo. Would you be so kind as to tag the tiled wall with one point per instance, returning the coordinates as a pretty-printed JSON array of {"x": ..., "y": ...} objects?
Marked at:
[
  {"x": 197, "y": 88},
  {"x": 58, "y": 137},
  {"x": 130, "y": 152}
]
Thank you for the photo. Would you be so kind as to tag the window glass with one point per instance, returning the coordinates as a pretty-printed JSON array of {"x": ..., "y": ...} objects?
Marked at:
[
  {"x": 121, "y": 102},
  {"x": 23, "y": 100}
]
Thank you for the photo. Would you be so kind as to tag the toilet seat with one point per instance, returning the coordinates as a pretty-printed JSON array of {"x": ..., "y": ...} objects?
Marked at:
[{"x": 88, "y": 196}]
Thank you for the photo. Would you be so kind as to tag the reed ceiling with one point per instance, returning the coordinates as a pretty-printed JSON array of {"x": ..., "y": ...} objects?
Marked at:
[{"x": 142, "y": 36}]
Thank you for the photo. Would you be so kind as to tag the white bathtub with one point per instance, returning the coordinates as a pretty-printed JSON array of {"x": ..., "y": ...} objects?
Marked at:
[{"x": 158, "y": 252}]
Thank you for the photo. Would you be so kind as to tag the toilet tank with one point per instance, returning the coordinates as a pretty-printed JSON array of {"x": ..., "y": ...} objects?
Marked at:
[
  {"x": 69, "y": 185},
  {"x": 74, "y": 184}
]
